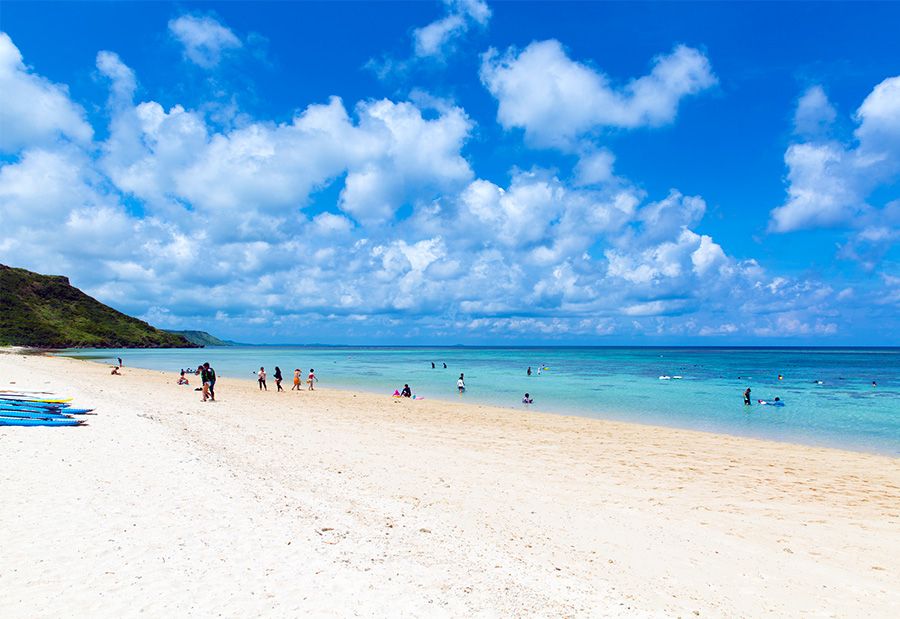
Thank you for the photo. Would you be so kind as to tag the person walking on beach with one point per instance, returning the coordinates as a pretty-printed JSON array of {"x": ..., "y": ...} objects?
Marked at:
[
  {"x": 261, "y": 378},
  {"x": 278, "y": 378},
  {"x": 311, "y": 379},
  {"x": 296, "y": 379},
  {"x": 461, "y": 384},
  {"x": 210, "y": 380},
  {"x": 747, "y": 396}
]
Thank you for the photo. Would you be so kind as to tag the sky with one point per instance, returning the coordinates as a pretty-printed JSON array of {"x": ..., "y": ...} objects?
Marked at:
[{"x": 462, "y": 172}]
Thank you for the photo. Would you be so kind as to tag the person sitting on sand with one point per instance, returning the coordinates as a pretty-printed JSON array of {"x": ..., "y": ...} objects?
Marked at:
[
  {"x": 296, "y": 380},
  {"x": 278, "y": 378},
  {"x": 115, "y": 370},
  {"x": 527, "y": 400},
  {"x": 261, "y": 378},
  {"x": 407, "y": 392},
  {"x": 182, "y": 380},
  {"x": 311, "y": 379}
]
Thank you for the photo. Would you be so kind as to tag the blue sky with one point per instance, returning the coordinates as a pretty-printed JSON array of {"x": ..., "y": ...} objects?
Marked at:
[{"x": 462, "y": 172}]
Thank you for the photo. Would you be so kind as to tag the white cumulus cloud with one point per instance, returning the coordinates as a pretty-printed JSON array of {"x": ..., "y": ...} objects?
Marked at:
[
  {"x": 205, "y": 39},
  {"x": 829, "y": 182},
  {"x": 33, "y": 110},
  {"x": 435, "y": 39},
  {"x": 556, "y": 99}
]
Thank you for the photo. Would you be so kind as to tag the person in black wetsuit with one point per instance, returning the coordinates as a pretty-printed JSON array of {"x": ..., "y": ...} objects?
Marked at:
[{"x": 747, "y": 396}]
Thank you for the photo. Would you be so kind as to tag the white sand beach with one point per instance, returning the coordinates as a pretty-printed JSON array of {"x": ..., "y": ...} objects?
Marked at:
[{"x": 331, "y": 503}]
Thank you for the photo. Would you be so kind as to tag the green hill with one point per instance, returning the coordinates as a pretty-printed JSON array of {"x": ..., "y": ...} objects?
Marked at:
[
  {"x": 45, "y": 311},
  {"x": 202, "y": 338}
]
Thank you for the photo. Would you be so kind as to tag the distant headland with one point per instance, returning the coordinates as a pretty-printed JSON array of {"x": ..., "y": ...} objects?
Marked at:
[{"x": 46, "y": 311}]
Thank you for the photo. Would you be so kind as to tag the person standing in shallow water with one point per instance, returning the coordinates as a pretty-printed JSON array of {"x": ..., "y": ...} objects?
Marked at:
[
  {"x": 461, "y": 384},
  {"x": 747, "y": 396},
  {"x": 261, "y": 378},
  {"x": 278, "y": 378}
]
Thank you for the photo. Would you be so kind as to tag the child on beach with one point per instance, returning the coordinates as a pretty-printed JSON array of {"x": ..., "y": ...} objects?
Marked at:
[
  {"x": 278, "y": 378},
  {"x": 461, "y": 384},
  {"x": 296, "y": 380},
  {"x": 182, "y": 380},
  {"x": 527, "y": 400},
  {"x": 311, "y": 378},
  {"x": 261, "y": 378},
  {"x": 201, "y": 372}
]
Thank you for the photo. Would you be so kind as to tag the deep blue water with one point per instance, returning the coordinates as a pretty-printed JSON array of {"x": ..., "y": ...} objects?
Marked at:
[{"x": 846, "y": 410}]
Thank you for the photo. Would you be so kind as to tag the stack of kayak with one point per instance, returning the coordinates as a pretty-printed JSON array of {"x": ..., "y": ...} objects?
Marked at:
[{"x": 28, "y": 409}]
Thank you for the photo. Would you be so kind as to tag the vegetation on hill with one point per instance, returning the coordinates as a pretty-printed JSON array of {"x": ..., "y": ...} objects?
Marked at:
[
  {"x": 45, "y": 311},
  {"x": 202, "y": 338}
]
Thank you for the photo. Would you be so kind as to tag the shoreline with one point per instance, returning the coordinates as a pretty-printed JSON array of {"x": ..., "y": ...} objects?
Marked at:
[
  {"x": 334, "y": 502},
  {"x": 608, "y": 415}
]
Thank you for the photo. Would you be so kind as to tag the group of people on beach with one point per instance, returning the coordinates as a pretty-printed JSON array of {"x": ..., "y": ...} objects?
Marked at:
[
  {"x": 310, "y": 379},
  {"x": 207, "y": 376}
]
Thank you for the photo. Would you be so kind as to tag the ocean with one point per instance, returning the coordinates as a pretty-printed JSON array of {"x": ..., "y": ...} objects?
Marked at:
[{"x": 828, "y": 393}]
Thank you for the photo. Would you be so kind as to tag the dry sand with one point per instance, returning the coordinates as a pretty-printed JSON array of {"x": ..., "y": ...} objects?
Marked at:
[{"x": 339, "y": 504}]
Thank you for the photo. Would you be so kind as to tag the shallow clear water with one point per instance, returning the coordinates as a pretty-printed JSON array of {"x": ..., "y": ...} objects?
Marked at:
[{"x": 613, "y": 383}]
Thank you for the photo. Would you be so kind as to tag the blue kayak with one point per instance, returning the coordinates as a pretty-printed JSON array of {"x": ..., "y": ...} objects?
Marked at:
[
  {"x": 32, "y": 415},
  {"x": 30, "y": 421},
  {"x": 6, "y": 401},
  {"x": 52, "y": 411}
]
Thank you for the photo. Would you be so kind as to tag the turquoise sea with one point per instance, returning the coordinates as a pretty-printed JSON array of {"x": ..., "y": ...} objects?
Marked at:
[{"x": 843, "y": 410}]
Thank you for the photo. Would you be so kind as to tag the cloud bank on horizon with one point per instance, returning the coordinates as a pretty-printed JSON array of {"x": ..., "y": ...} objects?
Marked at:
[{"x": 370, "y": 219}]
